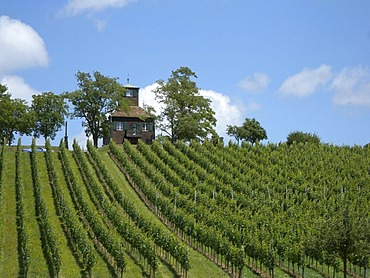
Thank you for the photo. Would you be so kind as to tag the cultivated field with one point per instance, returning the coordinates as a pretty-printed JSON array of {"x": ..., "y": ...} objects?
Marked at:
[{"x": 198, "y": 210}]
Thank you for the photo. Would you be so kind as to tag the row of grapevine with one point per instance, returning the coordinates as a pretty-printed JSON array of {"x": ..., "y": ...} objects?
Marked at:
[
  {"x": 161, "y": 238},
  {"x": 71, "y": 224},
  {"x": 1, "y": 169},
  {"x": 274, "y": 219},
  {"x": 192, "y": 173},
  {"x": 297, "y": 189},
  {"x": 176, "y": 207},
  {"x": 23, "y": 246},
  {"x": 230, "y": 223},
  {"x": 129, "y": 232},
  {"x": 206, "y": 201},
  {"x": 269, "y": 247},
  {"x": 197, "y": 178},
  {"x": 49, "y": 241},
  {"x": 112, "y": 244}
]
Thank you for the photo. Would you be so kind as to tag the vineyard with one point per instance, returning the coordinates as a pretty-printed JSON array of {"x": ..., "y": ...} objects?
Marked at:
[{"x": 185, "y": 210}]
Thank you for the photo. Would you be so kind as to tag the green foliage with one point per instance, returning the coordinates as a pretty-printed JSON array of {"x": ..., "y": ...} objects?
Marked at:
[
  {"x": 251, "y": 131},
  {"x": 49, "y": 111},
  {"x": 186, "y": 114},
  {"x": 3, "y": 90},
  {"x": 302, "y": 137},
  {"x": 346, "y": 232},
  {"x": 234, "y": 131},
  {"x": 48, "y": 238},
  {"x": 98, "y": 95},
  {"x": 160, "y": 237},
  {"x": 74, "y": 229},
  {"x": 273, "y": 198},
  {"x": 23, "y": 245},
  {"x": 15, "y": 116}
]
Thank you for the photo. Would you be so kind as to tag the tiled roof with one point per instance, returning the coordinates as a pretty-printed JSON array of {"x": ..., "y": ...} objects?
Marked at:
[
  {"x": 129, "y": 86},
  {"x": 135, "y": 111}
]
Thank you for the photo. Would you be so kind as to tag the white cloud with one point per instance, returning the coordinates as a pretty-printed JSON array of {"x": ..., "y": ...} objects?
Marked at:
[
  {"x": 352, "y": 86},
  {"x": 256, "y": 82},
  {"x": 226, "y": 112},
  {"x": 22, "y": 45},
  {"x": 75, "y": 7},
  {"x": 146, "y": 96},
  {"x": 81, "y": 140},
  {"x": 18, "y": 87},
  {"x": 100, "y": 25},
  {"x": 252, "y": 107},
  {"x": 306, "y": 82}
]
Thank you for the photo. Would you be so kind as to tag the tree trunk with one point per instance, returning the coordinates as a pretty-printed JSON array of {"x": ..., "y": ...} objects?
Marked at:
[
  {"x": 345, "y": 267},
  {"x": 95, "y": 139}
]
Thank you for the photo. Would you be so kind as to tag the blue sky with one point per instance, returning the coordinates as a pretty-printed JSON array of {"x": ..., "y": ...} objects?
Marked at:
[{"x": 292, "y": 65}]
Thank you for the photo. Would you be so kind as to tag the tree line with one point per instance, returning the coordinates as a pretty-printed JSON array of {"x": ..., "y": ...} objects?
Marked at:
[{"x": 185, "y": 114}]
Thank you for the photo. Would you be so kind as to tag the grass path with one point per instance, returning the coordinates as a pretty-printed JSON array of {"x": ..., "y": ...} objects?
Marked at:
[{"x": 9, "y": 266}]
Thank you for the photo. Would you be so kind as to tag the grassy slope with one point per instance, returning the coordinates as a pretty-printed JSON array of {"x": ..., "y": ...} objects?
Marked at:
[
  {"x": 38, "y": 266},
  {"x": 8, "y": 257},
  {"x": 69, "y": 267},
  {"x": 200, "y": 265},
  {"x": 132, "y": 269},
  {"x": 100, "y": 268}
]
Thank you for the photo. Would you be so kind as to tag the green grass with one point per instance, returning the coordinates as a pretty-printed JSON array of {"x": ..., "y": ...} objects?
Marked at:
[
  {"x": 132, "y": 269},
  {"x": 69, "y": 266},
  {"x": 100, "y": 268},
  {"x": 38, "y": 266},
  {"x": 9, "y": 252},
  {"x": 200, "y": 265}
]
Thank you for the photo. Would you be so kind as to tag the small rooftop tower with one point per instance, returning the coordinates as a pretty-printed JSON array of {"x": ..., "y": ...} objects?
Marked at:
[{"x": 132, "y": 92}]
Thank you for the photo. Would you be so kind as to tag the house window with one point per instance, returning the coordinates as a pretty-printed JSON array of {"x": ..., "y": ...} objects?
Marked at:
[
  {"x": 129, "y": 93},
  {"x": 133, "y": 129},
  {"x": 145, "y": 126},
  {"x": 118, "y": 126}
]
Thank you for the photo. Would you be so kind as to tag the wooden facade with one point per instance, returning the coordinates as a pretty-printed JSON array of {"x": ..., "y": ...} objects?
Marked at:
[{"x": 133, "y": 124}]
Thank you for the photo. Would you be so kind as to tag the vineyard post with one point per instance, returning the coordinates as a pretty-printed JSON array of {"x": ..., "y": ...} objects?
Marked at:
[
  {"x": 175, "y": 199},
  {"x": 156, "y": 199},
  {"x": 121, "y": 256}
]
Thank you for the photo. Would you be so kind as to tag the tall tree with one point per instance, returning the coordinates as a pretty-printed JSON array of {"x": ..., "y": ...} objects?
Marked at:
[
  {"x": 186, "y": 114},
  {"x": 98, "y": 95},
  {"x": 302, "y": 137},
  {"x": 234, "y": 131},
  {"x": 15, "y": 116},
  {"x": 251, "y": 131},
  {"x": 49, "y": 110},
  {"x": 346, "y": 232}
]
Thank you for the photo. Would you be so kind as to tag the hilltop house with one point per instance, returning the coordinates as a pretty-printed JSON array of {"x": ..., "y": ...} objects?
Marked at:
[{"x": 133, "y": 124}]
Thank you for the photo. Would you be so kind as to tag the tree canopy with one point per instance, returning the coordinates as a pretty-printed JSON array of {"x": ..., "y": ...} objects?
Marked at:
[
  {"x": 251, "y": 131},
  {"x": 186, "y": 114},
  {"x": 302, "y": 137},
  {"x": 97, "y": 96},
  {"x": 346, "y": 232},
  {"x": 49, "y": 110},
  {"x": 15, "y": 116}
]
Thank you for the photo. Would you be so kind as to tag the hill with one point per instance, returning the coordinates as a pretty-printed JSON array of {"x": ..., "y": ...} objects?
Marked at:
[{"x": 193, "y": 211}]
